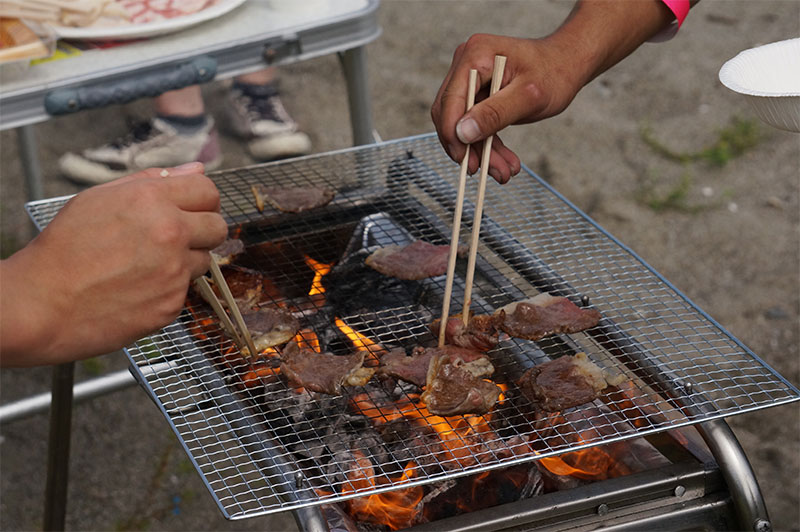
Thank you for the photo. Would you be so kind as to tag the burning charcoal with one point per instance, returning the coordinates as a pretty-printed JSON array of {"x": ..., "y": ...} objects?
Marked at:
[
  {"x": 415, "y": 261},
  {"x": 543, "y": 315},
  {"x": 291, "y": 199},
  {"x": 480, "y": 333},
  {"x": 323, "y": 373},
  {"x": 563, "y": 383},
  {"x": 353, "y": 288},
  {"x": 456, "y": 387}
]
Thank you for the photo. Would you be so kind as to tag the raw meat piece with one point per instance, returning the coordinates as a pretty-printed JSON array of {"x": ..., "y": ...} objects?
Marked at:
[
  {"x": 480, "y": 333},
  {"x": 457, "y": 387},
  {"x": 323, "y": 372},
  {"x": 412, "y": 262},
  {"x": 414, "y": 368},
  {"x": 225, "y": 252},
  {"x": 292, "y": 199},
  {"x": 543, "y": 315},
  {"x": 270, "y": 327},
  {"x": 563, "y": 383}
]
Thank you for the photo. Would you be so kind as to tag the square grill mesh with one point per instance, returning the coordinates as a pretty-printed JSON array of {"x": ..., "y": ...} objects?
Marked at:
[{"x": 263, "y": 447}]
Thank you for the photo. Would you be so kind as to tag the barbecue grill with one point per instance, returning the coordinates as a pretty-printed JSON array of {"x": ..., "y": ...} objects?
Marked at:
[{"x": 262, "y": 446}]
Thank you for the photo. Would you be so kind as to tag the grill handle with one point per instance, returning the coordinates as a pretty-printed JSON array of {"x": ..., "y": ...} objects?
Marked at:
[{"x": 72, "y": 99}]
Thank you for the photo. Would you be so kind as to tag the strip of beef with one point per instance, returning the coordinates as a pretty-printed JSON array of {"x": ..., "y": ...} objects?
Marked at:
[
  {"x": 543, "y": 315},
  {"x": 411, "y": 262},
  {"x": 247, "y": 286},
  {"x": 458, "y": 387},
  {"x": 480, "y": 333},
  {"x": 270, "y": 327},
  {"x": 563, "y": 383},
  {"x": 225, "y": 252},
  {"x": 323, "y": 372},
  {"x": 414, "y": 368},
  {"x": 291, "y": 199}
]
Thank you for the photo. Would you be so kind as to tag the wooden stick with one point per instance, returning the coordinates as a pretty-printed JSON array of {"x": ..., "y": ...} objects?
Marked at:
[
  {"x": 462, "y": 183},
  {"x": 208, "y": 294},
  {"x": 219, "y": 280},
  {"x": 497, "y": 78}
]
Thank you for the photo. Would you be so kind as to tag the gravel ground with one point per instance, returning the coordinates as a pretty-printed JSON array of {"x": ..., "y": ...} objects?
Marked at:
[{"x": 727, "y": 235}]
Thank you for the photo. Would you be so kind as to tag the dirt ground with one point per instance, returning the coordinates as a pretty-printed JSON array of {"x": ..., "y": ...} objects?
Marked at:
[{"x": 723, "y": 227}]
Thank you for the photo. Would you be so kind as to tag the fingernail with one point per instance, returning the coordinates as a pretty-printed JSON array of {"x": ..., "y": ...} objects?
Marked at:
[
  {"x": 467, "y": 130},
  {"x": 188, "y": 168}
]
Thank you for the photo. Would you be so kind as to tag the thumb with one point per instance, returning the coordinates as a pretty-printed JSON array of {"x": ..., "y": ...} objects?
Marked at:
[{"x": 507, "y": 106}]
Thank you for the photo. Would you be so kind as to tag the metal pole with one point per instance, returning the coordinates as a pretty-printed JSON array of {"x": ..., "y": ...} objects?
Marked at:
[
  {"x": 354, "y": 65},
  {"x": 742, "y": 483},
  {"x": 55, "y": 500},
  {"x": 28, "y": 154}
]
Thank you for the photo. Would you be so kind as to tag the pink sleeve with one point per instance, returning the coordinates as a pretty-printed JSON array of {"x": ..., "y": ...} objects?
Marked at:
[{"x": 680, "y": 8}]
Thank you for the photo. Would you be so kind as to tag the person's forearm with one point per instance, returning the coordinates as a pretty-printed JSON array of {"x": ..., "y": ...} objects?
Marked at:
[
  {"x": 603, "y": 32},
  {"x": 23, "y": 315}
]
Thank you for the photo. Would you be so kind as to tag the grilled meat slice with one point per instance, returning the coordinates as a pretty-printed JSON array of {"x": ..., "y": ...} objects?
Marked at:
[
  {"x": 411, "y": 262},
  {"x": 563, "y": 383},
  {"x": 225, "y": 252},
  {"x": 323, "y": 372},
  {"x": 458, "y": 387},
  {"x": 270, "y": 327},
  {"x": 414, "y": 368},
  {"x": 543, "y": 315},
  {"x": 291, "y": 199},
  {"x": 480, "y": 333}
]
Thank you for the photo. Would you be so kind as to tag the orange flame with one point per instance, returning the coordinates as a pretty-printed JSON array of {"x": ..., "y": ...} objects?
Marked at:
[
  {"x": 395, "y": 509},
  {"x": 362, "y": 343},
  {"x": 320, "y": 270},
  {"x": 307, "y": 338}
]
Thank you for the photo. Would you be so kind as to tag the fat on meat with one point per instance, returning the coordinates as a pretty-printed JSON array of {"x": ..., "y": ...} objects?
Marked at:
[
  {"x": 543, "y": 315},
  {"x": 270, "y": 327}
]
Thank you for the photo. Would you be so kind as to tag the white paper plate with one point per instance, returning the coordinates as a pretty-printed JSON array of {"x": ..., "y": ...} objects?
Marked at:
[
  {"x": 150, "y": 29},
  {"x": 769, "y": 77}
]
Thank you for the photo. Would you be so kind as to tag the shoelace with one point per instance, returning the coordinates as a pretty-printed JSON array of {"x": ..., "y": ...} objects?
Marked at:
[
  {"x": 264, "y": 108},
  {"x": 139, "y": 132}
]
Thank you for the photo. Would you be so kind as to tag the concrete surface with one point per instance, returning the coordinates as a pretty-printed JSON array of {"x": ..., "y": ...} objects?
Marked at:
[{"x": 731, "y": 242}]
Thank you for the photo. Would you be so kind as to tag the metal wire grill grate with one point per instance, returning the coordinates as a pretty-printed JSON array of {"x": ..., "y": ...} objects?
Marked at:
[{"x": 263, "y": 446}]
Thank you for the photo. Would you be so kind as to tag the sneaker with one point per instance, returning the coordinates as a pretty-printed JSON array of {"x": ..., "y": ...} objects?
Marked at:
[
  {"x": 148, "y": 144},
  {"x": 260, "y": 117}
]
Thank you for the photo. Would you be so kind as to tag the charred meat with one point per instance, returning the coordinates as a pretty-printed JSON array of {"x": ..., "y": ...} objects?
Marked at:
[
  {"x": 323, "y": 372},
  {"x": 480, "y": 333},
  {"x": 412, "y": 262},
  {"x": 414, "y": 368},
  {"x": 458, "y": 387},
  {"x": 543, "y": 315},
  {"x": 563, "y": 383},
  {"x": 291, "y": 199}
]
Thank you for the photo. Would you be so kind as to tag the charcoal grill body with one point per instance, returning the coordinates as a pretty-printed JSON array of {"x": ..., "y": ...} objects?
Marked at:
[{"x": 683, "y": 367}]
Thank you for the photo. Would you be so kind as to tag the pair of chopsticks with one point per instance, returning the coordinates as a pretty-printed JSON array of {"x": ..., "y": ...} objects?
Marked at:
[
  {"x": 238, "y": 330},
  {"x": 497, "y": 78}
]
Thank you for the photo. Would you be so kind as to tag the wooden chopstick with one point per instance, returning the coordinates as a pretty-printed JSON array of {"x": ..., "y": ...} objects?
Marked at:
[
  {"x": 208, "y": 294},
  {"x": 219, "y": 280},
  {"x": 497, "y": 78},
  {"x": 462, "y": 183}
]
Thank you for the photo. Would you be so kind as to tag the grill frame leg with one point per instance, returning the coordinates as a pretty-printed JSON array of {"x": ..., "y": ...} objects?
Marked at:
[{"x": 58, "y": 447}]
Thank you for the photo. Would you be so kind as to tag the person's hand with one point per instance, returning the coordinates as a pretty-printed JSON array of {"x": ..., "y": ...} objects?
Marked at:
[
  {"x": 113, "y": 265},
  {"x": 538, "y": 82}
]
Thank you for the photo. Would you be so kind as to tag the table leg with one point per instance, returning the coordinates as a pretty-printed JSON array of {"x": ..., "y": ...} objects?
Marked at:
[
  {"x": 30, "y": 162},
  {"x": 55, "y": 500},
  {"x": 354, "y": 65}
]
